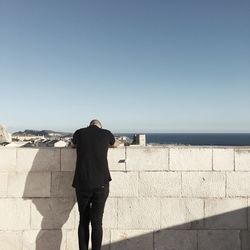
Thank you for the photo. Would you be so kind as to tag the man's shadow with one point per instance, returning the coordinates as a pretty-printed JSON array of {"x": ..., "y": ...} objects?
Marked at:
[{"x": 53, "y": 198}]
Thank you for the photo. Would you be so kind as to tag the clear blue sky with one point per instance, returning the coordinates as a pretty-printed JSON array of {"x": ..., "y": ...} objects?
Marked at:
[{"x": 137, "y": 65}]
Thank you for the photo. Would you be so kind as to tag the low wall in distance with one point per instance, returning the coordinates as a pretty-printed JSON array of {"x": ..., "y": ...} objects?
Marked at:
[{"x": 161, "y": 198}]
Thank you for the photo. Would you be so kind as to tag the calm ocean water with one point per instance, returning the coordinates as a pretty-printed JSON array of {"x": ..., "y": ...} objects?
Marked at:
[{"x": 220, "y": 139}]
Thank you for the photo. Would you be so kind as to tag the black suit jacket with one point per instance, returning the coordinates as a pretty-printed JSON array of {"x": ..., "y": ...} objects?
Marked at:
[{"x": 92, "y": 145}]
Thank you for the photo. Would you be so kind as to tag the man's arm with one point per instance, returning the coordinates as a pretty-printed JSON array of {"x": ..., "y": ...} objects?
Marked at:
[
  {"x": 116, "y": 144},
  {"x": 113, "y": 142},
  {"x": 74, "y": 139}
]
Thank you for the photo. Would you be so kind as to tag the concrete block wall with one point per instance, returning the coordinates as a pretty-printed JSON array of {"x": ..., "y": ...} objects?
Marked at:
[{"x": 161, "y": 198}]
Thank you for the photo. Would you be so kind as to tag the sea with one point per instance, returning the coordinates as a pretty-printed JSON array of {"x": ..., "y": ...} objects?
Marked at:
[{"x": 206, "y": 139}]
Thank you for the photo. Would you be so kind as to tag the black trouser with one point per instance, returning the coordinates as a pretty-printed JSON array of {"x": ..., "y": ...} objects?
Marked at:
[{"x": 91, "y": 205}]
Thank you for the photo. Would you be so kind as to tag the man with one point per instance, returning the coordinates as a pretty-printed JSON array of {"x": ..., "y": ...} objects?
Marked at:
[{"x": 91, "y": 180}]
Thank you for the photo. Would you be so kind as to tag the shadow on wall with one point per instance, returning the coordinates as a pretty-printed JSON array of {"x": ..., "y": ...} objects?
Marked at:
[
  {"x": 52, "y": 197},
  {"x": 52, "y": 205},
  {"x": 227, "y": 231}
]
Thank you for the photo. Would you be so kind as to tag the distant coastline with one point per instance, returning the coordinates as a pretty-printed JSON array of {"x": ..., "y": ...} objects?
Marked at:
[
  {"x": 196, "y": 139},
  {"x": 199, "y": 139}
]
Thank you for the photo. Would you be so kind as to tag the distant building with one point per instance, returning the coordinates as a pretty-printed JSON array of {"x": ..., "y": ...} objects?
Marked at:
[
  {"x": 124, "y": 140},
  {"x": 139, "y": 139},
  {"x": 57, "y": 144},
  {"x": 17, "y": 144},
  {"x": 142, "y": 140},
  {"x": 28, "y": 137}
]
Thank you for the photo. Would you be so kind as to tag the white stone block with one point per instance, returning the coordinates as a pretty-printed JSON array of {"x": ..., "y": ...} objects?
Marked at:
[
  {"x": 10, "y": 240},
  {"x": 52, "y": 213},
  {"x": 34, "y": 159},
  {"x": 131, "y": 239},
  {"x": 7, "y": 159},
  {"x": 242, "y": 160},
  {"x": 61, "y": 185},
  {"x": 175, "y": 239},
  {"x": 3, "y": 184},
  {"x": 159, "y": 184},
  {"x": 72, "y": 240},
  {"x": 226, "y": 213},
  {"x": 190, "y": 159},
  {"x": 110, "y": 213},
  {"x": 75, "y": 208},
  {"x": 147, "y": 158},
  {"x": 203, "y": 184},
  {"x": 68, "y": 159},
  {"x": 32, "y": 184},
  {"x": 29, "y": 239},
  {"x": 44, "y": 240},
  {"x": 134, "y": 213},
  {"x": 116, "y": 159},
  {"x": 223, "y": 159},
  {"x": 219, "y": 240},
  {"x": 238, "y": 184},
  {"x": 124, "y": 184},
  {"x": 182, "y": 213},
  {"x": 14, "y": 214}
]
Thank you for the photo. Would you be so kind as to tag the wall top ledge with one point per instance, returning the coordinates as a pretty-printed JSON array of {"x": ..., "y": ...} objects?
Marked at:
[{"x": 141, "y": 147}]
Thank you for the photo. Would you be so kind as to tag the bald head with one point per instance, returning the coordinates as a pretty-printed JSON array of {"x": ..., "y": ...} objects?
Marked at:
[{"x": 96, "y": 123}]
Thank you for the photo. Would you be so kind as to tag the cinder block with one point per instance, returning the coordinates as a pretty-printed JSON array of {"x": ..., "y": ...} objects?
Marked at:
[
  {"x": 62, "y": 184},
  {"x": 68, "y": 159},
  {"x": 43, "y": 240},
  {"x": 43, "y": 159},
  {"x": 32, "y": 184},
  {"x": 160, "y": 184},
  {"x": 147, "y": 158},
  {"x": 52, "y": 213},
  {"x": 124, "y": 184},
  {"x": 7, "y": 159},
  {"x": 131, "y": 239},
  {"x": 203, "y": 184},
  {"x": 242, "y": 160},
  {"x": 116, "y": 159},
  {"x": 226, "y": 213},
  {"x": 175, "y": 239},
  {"x": 219, "y": 240},
  {"x": 15, "y": 214},
  {"x": 3, "y": 184},
  {"x": 142, "y": 213},
  {"x": 10, "y": 240},
  {"x": 238, "y": 184},
  {"x": 223, "y": 159},
  {"x": 190, "y": 159},
  {"x": 182, "y": 213}
]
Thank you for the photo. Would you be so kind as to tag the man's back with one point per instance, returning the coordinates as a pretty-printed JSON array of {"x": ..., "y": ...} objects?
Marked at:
[{"x": 92, "y": 145}]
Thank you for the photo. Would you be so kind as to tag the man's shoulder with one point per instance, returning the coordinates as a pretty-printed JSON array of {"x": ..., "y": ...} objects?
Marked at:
[
  {"x": 106, "y": 131},
  {"x": 79, "y": 131}
]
